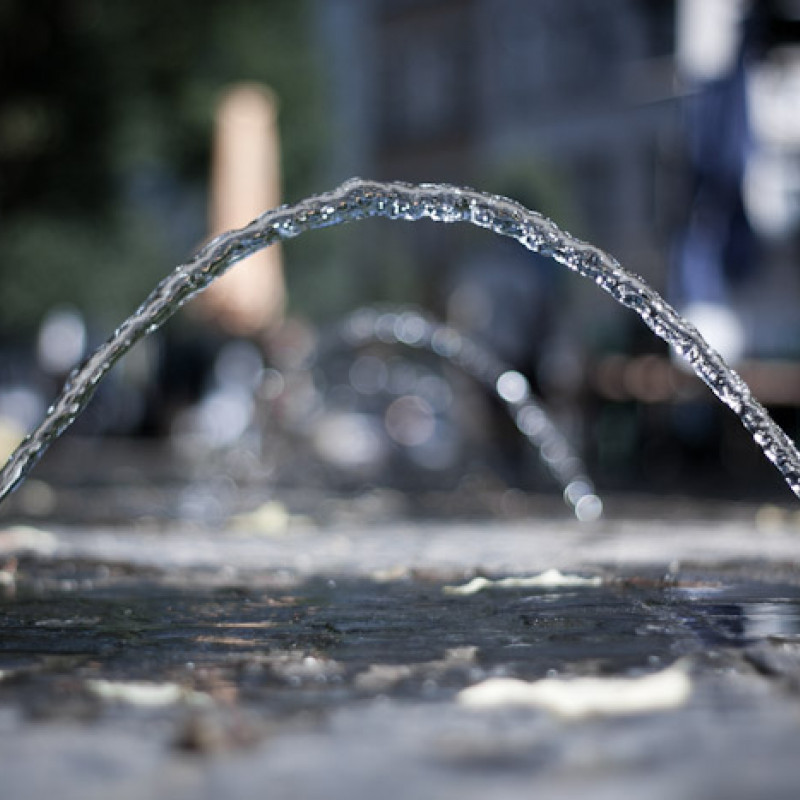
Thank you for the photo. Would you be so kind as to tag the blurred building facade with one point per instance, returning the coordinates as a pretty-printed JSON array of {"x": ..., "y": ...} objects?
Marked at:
[
  {"x": 580, "y": 109},
  {"x": 586, "y": 110},
  {"x": 570, "y": 105}
]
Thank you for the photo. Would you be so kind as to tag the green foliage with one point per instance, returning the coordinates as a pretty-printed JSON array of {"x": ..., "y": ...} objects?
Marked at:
[{"x": 102, "y": 99}]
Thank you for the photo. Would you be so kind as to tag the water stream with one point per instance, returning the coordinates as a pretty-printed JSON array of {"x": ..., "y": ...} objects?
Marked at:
[
  {"x": 359, "y": 199},
  {"x": 411, "y": 328}
]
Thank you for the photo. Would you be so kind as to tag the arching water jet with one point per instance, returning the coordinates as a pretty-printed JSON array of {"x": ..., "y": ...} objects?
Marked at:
[{"x": 359, "y": 199}]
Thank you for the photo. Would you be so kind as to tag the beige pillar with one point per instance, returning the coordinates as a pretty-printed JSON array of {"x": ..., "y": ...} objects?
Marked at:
[{"x": 245, "y": 181}]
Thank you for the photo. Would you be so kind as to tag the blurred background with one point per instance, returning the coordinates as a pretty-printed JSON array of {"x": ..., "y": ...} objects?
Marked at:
[{"x": 666, "y": 132}]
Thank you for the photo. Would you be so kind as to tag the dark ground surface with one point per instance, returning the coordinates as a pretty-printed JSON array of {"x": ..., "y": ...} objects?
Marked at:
[{"x": 288, "y": 657}]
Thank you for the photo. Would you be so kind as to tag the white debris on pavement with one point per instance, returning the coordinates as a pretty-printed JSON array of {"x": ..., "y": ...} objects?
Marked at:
[
  {"x": 578, "y": 698},
  {"x": 549, "y": 579},
  {"x": 143, "y": 693},
  {"x": 25, "y": 538}
]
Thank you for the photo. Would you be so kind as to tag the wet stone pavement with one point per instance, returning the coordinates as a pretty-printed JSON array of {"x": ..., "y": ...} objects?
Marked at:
[{"x": 332, "y": 661}]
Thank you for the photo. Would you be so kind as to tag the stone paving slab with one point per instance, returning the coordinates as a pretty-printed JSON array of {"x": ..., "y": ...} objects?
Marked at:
[{"x": 328, "y": 661}]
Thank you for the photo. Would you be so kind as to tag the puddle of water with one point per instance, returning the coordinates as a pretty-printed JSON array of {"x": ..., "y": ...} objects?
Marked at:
[
  {"x": 286, "y": 646},
  {"x": 743, "y": 614}
]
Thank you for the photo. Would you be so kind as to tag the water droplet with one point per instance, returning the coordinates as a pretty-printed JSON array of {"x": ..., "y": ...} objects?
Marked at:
[{"x": 513, "y": 386}]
